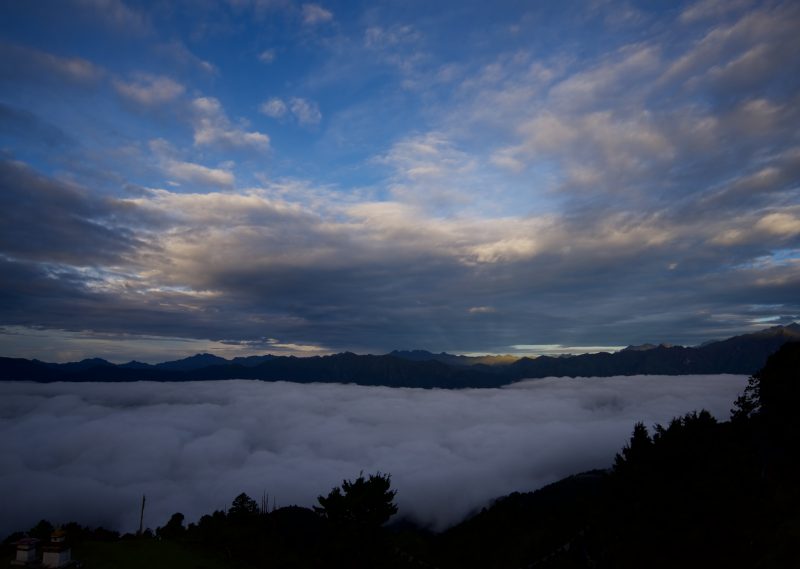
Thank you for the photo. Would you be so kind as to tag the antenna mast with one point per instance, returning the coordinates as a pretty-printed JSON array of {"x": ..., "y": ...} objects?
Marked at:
[{"x": 141, "y": 516}]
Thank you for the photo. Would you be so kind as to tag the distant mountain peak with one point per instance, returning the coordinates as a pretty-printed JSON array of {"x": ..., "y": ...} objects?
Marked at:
[
  {"x": 646, "y": 347},
  {"x": 453, "y": 359},
  {"x": 86, "y": 363},
  {"x": 96, "y": 361},
  {"x": 791, "y": 330},
  {"x": 402, "y": 353},
  {"x": 194, "y": 362}
]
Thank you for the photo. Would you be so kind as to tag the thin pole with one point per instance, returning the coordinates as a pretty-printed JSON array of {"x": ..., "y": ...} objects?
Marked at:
[{"x": 141, "y": 516}]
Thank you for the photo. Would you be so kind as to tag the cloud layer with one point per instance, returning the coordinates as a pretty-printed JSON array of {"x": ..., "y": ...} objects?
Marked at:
[
  {"x": 89, "y": 451},
  {"x": 588, "y": 177}
]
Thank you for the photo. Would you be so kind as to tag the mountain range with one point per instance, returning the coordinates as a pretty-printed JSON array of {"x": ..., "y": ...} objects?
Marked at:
[{"x": 743, "y": 354}]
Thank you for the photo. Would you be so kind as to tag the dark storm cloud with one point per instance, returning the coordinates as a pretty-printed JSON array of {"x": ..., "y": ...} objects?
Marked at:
[
  {"x": 89, "y": 451},
  {"x": 42, "y": 219}
]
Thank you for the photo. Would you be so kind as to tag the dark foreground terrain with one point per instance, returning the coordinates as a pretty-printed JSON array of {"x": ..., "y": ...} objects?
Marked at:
[{"x": 693, "y": 493}]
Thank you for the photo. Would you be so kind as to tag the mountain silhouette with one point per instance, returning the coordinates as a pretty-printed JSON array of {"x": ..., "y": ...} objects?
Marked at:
[
  {"x": 198, "y": 361},
  {"x": 742, "y": 354},
  {"x": 451, "y": 359}
]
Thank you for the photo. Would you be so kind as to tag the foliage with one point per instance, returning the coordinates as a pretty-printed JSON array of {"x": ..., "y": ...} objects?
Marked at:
[
  {"x": 173, "y": 529},
  {"x": 243, "y": 506},
  {"x": 364, "y": 502},
  {"x": 637, "y": 451},
  {"x": 748, "y": 404},
  {"x": 42, "y": 530}
]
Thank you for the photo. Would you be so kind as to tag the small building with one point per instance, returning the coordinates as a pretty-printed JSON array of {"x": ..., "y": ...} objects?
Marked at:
[
  {"x": 57, "y": 553},
  {"x": 27, "y": 553}
]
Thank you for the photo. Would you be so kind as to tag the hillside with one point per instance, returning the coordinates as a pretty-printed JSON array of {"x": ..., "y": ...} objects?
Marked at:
[{"x": 693, "y": 493}]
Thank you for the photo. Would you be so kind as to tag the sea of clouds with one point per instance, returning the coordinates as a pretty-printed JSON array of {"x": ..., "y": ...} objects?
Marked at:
[{"x": 89, "y": 451}]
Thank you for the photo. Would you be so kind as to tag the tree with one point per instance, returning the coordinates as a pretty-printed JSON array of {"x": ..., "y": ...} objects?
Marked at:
[
  {"x": 637, "y": 451},
  {"x": 173, "y": 528},
  {"x": 773, "y": 393},
  {"x": 42, "y": 530},
  {"x": 364, "y": 502},
  {"x": 779, "y": 384},
  {"x": 243, "y": 506},
  {"x": 748, "y": 403}
]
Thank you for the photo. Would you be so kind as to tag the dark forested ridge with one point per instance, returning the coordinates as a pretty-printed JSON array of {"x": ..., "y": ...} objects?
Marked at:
[
  {"x": 740, "y": 355},
  {"x": 694, "y": 493}
]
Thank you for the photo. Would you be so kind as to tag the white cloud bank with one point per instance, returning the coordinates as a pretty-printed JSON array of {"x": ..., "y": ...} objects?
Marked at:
[{"x": 89, "y": 451}]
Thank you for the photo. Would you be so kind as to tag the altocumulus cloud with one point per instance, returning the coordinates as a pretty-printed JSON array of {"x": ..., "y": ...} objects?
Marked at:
[{"x": 89, "y": 451}]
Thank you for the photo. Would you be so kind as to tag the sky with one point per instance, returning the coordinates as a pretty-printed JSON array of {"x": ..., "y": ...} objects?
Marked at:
[
  {"x": 87, "y": 452},
  {"x": 252, "y": 176}
]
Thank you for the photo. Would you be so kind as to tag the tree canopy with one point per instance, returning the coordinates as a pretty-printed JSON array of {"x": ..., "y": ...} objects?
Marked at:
[
  {"x": 365, "y": 502},
  {"x": 242, "y": 506}
]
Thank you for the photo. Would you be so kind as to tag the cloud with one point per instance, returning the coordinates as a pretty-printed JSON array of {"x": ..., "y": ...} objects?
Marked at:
[
  {"x": 149, "y": 90},
  {"x": 17, "y": 61},
  {"x": 267, "y": 56},
  {"x": 755, "y": 187},
  {"x": 378, "y": 37},
  {"x": 707, "y": 9},
  {"x": 177, "y": 51},
  {"x": 87, "y": 452},
  {"x": 274, "y": 108},
  {"x": 431, "y": 171},
  {"x": 400, "y": 46},
  {"x": 306, "y": 112},
  {"x": 314, "y": 14},
  {"x": 301, "y": 265},
  {"x": 44, "y": 220},
  {"x": 608, "y": 80},
  {"x": 559, "y": 350},
  {"x": 607, "y": 152},
  {"x": 116, "y": 15},
  {"x": 506, "y": 158},
  {"x": 734, "y": 47},
  {"x": 24, "y": 125},
  {"x": 219, "y": 210},
  {"x": 481, "y": 310},
  {"x": 212, "y": 127},
  {"x": 643, "y": 190},
  {"x": 198, "y": 174},
  {"x": 784, "y": 224},
  {"x": 428, "y": 155},
  {"x": 630, "y": 121}
]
